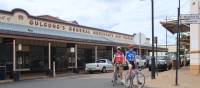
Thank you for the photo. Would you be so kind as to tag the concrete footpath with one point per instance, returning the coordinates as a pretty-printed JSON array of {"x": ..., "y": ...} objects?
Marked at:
[{"x": 167, "y": 79}]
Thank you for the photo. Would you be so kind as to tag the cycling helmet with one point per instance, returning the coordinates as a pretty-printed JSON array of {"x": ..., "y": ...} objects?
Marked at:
[
  {"x": 118, "y": 48},
  {"x": 130, "y": 46}
]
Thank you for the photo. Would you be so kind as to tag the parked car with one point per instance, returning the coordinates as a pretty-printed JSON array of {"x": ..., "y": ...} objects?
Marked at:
[
  {"x": 140, "y": 61},
  {"x": 162, "y": 63},
  {"x": 102, "y": 65}
]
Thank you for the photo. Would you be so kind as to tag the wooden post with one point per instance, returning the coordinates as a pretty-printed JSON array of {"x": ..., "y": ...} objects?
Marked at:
[
  {"x": 76, "y": 57},
  {"x": 49, "y": 53},
  {"x": 14, "y": 56},
  {"x": 112, "y": 52},
  {"x": 54, "y": 69},
  {"x": 96, "y": 53}
]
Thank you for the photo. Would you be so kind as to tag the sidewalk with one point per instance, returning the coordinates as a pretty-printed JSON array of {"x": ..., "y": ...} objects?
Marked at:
[{"x": 167, "y": 80}]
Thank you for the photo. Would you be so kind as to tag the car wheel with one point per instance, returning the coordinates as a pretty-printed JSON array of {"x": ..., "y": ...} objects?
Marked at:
[{"x": 104, "y": 70}]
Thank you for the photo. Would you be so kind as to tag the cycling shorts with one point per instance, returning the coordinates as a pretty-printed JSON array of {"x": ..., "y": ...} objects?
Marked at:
[{"x": 132, "y": 63}]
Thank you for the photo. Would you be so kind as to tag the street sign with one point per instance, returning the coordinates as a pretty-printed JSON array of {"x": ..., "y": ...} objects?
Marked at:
[
  {"x": 191, "y": 21},
  {"x": 190, "y": 18}
]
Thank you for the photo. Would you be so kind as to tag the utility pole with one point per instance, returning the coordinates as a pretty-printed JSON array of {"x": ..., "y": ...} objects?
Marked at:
[
  {"x": 178, "y": 44},
  {"x": 153, "y": 57}
]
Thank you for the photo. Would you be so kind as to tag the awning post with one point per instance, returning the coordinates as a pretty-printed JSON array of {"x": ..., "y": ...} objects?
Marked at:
[{"x": 96, "y": 53}]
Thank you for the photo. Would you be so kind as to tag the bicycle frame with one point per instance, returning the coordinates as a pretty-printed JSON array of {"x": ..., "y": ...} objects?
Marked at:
[{"x": 135, "y": 73}]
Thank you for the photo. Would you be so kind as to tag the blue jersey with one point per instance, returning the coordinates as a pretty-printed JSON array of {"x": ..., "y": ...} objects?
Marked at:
[{"x": 130, "y": 55}]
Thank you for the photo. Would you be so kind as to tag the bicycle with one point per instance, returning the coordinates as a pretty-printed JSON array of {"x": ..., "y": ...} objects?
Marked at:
[
  {"x": 129, "y": 79},
  {"x": 116, "y": 74}
]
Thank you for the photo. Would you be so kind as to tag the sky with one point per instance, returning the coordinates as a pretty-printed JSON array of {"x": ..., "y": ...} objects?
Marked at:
[{"x": 125, "y": 16}]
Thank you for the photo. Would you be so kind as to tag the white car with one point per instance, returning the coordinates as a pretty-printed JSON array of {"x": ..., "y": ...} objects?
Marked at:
[
  {"x": 102, "y": 65},
  {"x": 141, "y": 62}
]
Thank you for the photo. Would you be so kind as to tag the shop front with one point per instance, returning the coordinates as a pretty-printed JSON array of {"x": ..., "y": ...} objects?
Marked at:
[
  {"x": 35, "y": 57},
  {"x": 30, "y": 44}
]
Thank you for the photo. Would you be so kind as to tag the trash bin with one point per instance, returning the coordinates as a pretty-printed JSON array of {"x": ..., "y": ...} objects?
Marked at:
[{"x": 2, "y": 72}]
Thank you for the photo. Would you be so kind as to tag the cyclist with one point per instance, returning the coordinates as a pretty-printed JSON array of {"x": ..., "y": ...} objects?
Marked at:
[
  {"x": 130, "y": 58},
  {"x": 119, "y": 59}
]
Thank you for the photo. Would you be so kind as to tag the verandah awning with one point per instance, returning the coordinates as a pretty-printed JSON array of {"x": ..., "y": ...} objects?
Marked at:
[
  {"x": 172, "y": 26},
  {"x": 22, "y": 30}
]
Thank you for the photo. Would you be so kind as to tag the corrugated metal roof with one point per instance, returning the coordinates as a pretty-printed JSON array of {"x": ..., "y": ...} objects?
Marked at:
[{"x": 172, "y": 26}]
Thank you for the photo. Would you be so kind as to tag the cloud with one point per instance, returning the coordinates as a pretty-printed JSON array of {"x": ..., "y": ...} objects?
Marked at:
[{"x": 126, "y": 16}]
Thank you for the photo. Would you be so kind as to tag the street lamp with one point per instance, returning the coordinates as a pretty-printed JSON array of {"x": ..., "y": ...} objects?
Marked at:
[
  {"x": 153, "y": 41},
  {"x": 153, "y": 57}
]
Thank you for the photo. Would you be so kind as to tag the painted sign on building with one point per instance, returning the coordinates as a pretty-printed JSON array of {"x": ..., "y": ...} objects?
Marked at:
[{"x": 23, "y": 18}]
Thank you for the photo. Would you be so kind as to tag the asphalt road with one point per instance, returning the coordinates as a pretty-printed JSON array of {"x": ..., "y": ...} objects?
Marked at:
[{"x": 76, "y": 81}]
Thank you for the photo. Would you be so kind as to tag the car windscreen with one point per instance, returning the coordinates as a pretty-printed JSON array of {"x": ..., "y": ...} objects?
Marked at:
[{"x": 101, "y": 61}]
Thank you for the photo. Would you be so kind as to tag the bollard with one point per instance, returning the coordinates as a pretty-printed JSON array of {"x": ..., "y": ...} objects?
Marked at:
[{"x": 54, "y": 69}]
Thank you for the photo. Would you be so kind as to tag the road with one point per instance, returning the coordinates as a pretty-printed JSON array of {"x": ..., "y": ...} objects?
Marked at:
[{"x": 97, "y": 80}]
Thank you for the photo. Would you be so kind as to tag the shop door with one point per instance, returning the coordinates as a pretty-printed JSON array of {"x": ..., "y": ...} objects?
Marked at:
[
  {"x": 89, "y": 56},
  {"x": 5, "y": 61},
  {"x": 23, "y": 60}
]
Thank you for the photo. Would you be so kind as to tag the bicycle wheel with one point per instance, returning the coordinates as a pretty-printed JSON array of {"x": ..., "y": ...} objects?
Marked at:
[
  {"x": 115, "y": 77},
  {"x": 141, "y": 80},
  {"x": 128, "y": 81}
]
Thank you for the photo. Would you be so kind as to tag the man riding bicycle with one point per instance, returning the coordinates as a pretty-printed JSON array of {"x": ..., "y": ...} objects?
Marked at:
[
  {"x": 130, "y": 58},
  {"x": 119, "y": 59}
]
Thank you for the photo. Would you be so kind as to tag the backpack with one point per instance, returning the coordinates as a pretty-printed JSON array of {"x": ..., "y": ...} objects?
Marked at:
[{"x": 119, "y": 58}]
